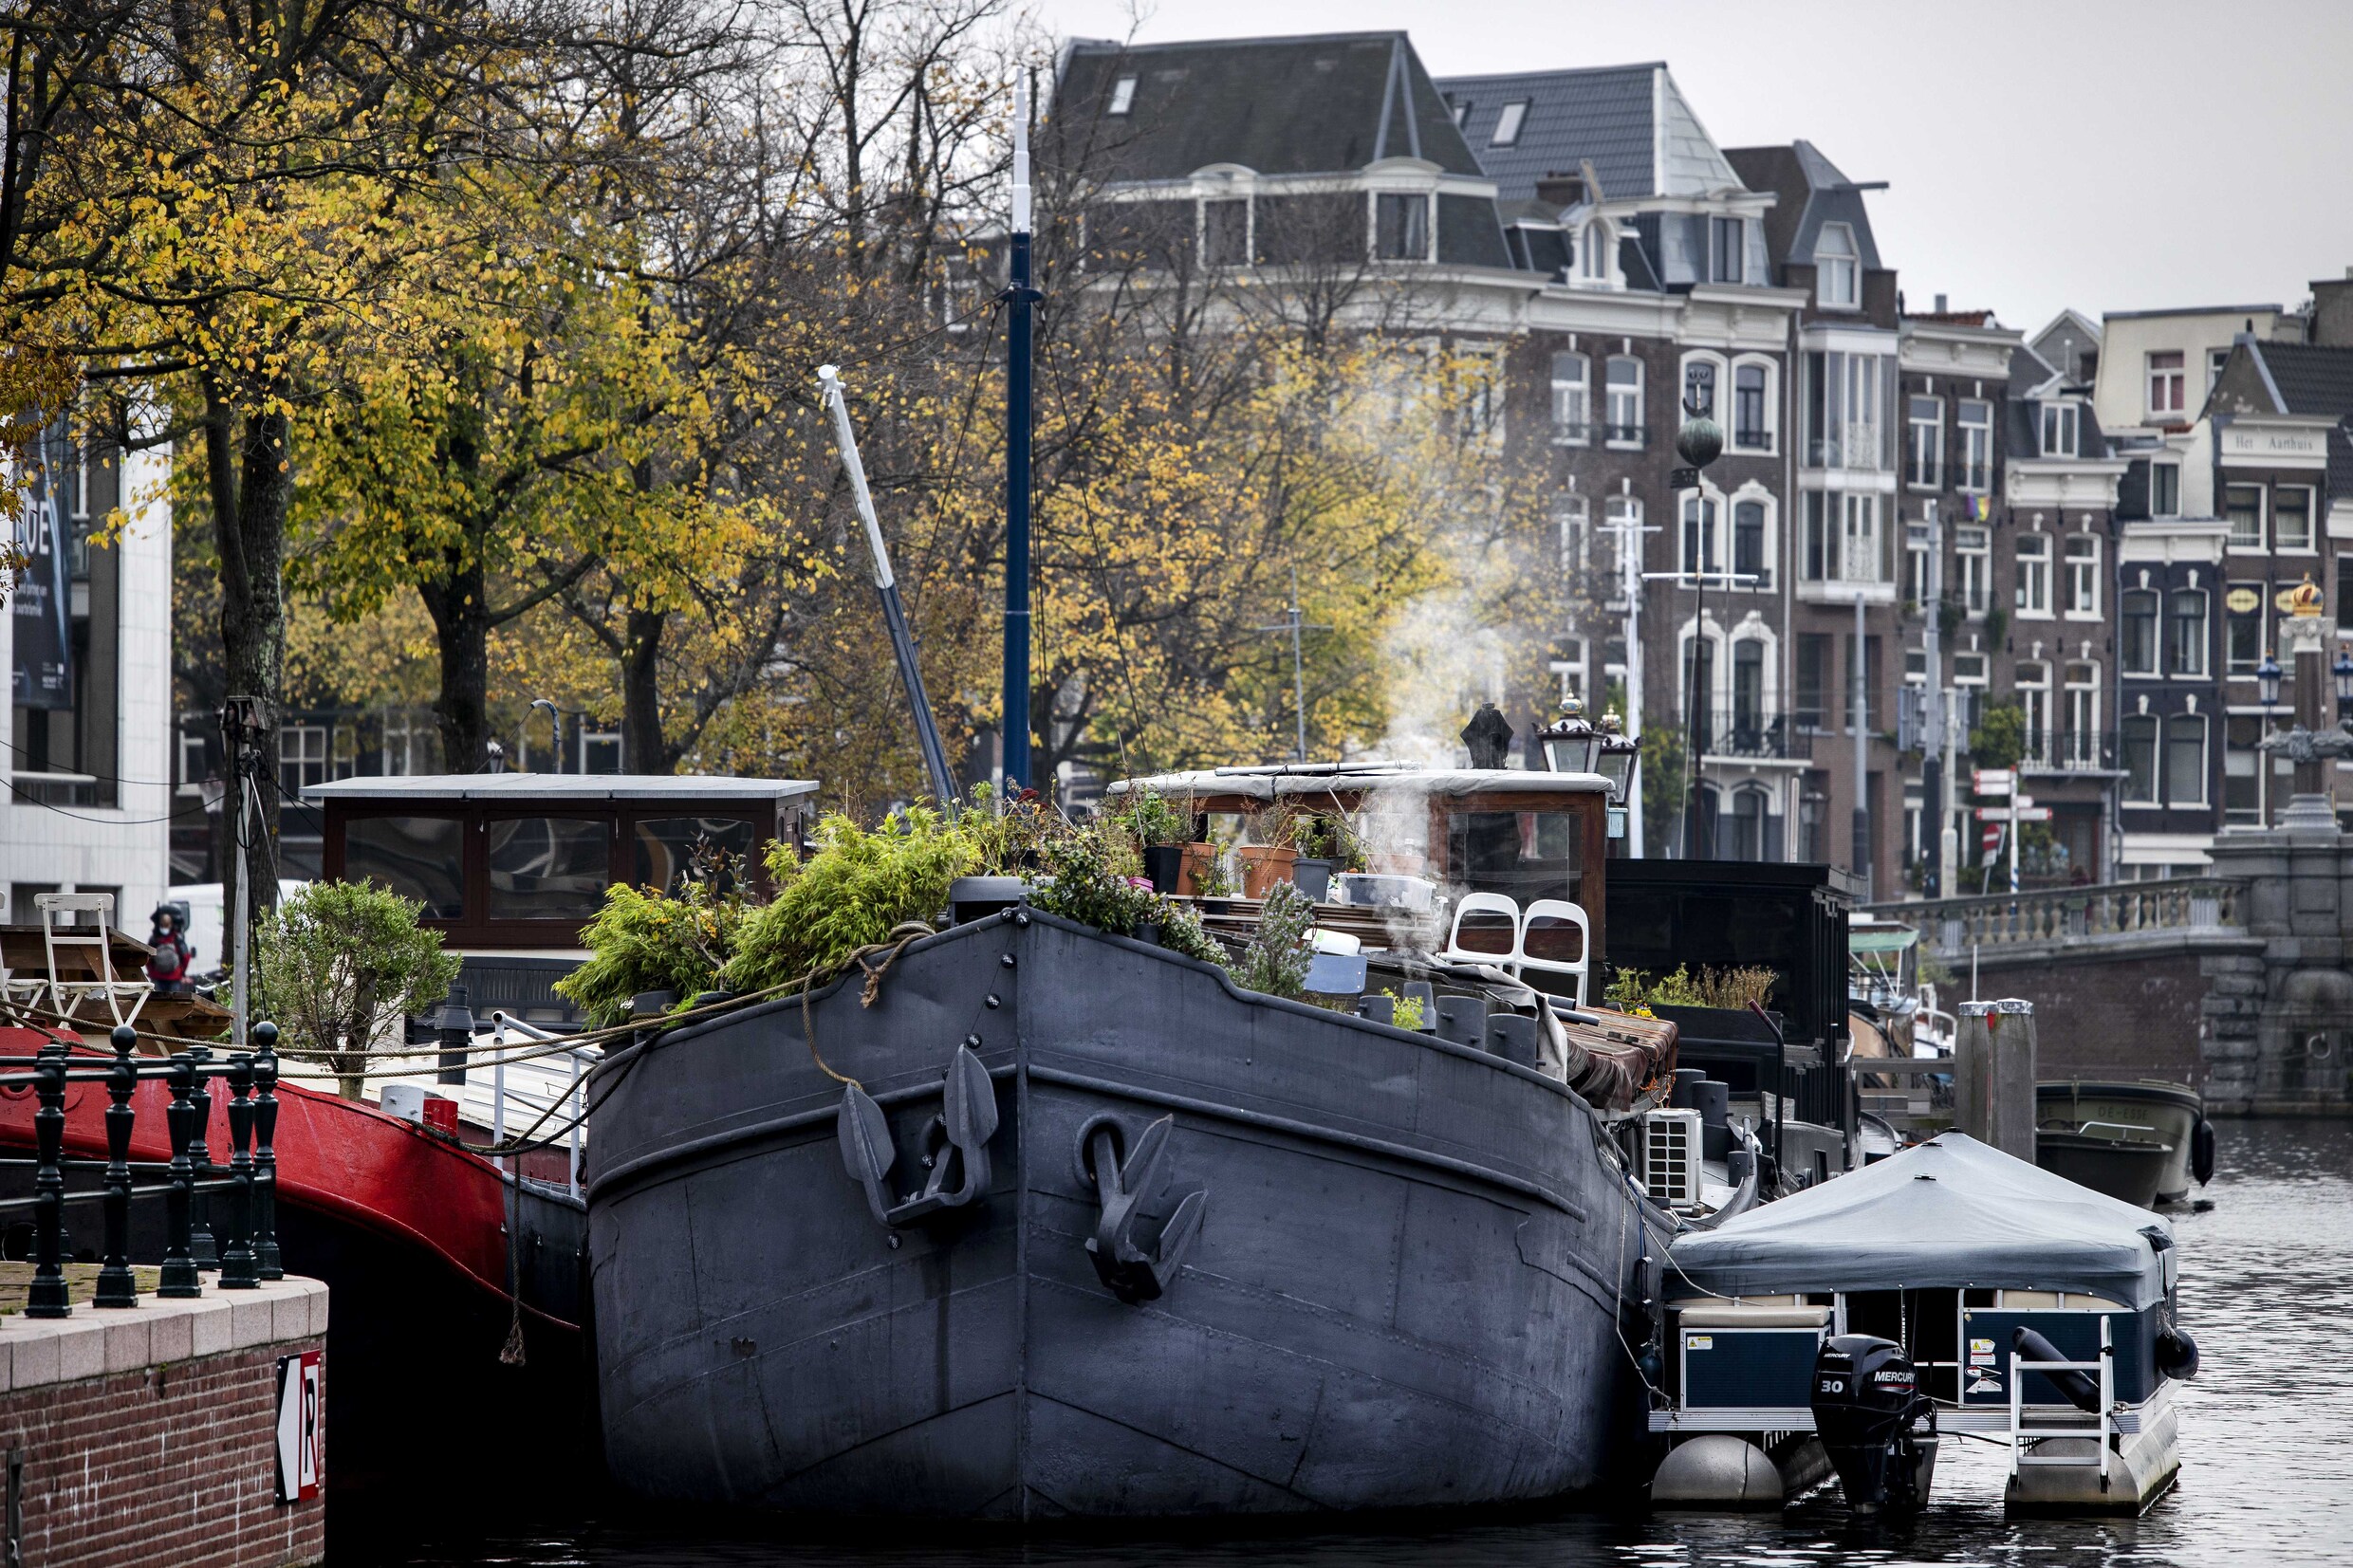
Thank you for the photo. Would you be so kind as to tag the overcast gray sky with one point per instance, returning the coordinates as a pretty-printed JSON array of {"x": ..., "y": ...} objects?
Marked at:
[{"x": 2099, "y": 153}]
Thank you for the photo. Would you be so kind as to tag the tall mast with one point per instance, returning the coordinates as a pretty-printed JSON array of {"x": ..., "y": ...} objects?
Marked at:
[
  {"x": 1019, "y": 296},
  {"x": 886, "y": 586}
]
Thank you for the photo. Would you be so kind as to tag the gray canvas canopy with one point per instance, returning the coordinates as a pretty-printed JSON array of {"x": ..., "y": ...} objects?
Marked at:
[{"x": 1950, "y": 1213}]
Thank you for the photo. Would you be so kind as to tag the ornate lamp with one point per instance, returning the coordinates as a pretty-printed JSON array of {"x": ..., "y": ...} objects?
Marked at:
[
  {"x": 2343, "y": 671},
  {"x": 1570, "y": 744},
  {"x": 2268, "y": 679},
  {"x": 1620, "y": 754}
]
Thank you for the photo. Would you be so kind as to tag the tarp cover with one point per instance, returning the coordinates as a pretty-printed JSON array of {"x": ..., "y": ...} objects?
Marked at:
[{"x": 1950, "y": 1213}]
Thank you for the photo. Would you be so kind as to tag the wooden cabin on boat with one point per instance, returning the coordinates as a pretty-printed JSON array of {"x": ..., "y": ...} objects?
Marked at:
[{"x": 510, "y": 866}]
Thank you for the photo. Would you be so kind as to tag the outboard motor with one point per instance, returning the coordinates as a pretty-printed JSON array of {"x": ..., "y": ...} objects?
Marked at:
[{"x": 1879, "y": 1429}]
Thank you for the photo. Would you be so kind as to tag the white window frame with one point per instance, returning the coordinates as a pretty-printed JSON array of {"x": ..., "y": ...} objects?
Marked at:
[
  {"x": 1972, "y": 551},
  {"x": 1596, "y": 253},
  {"x": 1122, "y": 95},
  {"x": 1612, "y": 393},
  {"x": 1716, "y": 533},
  {"x": 2311, "y": 526},
  {"x": 2204, "y": 651},
  {"x": 1738, "y": 228},
  {"x": 1769, "y": 551},
  {"x": 1976, "y": 446},
  {"x": 2031, "y": 559},
  {"x": 1577, "y": 432},
  {"x": 2165, "y": 756},
  {"x": 1918, "y": 475},
  {"x": 2156, "y": 796},
  {"x": 2167, "y": 384},
  {"x": 2061, "y": 426},
  {"x": 2034, "y": 701},
  {"x": 1862, "y": 537},
  {"x": 1838, "y": 276},
  {"x": 1719, "y": 379},
  {"x": 1972, "y": 667},
  {"x": 1719, "y": 669},
  {"x": 2262, "y": 518},
  {"x": 1771, "y": 430},
  {"x": 1509, "y": 122},
  {"x": 2171, "y": 506},
  {"x": 2157, "y": 635},
  {"x": 2083, "y": 731},
  {"x": 2081, "y": 560},
  {"x": 1573, "y": 513},
  {"x": 1621, "y": 518}
]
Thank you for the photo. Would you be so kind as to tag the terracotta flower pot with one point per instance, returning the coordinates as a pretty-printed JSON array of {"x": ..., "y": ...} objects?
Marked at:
[
  {"x": 1196, "y": 860},
  {"x": 1263, "y": 865}
]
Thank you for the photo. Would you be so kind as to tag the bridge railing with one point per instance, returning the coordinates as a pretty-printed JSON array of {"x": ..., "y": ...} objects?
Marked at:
[{"x": 2107, "y": 911}]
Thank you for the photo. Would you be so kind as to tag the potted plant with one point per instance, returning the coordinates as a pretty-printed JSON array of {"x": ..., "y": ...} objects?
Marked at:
[
  {"x": 1325, "y": 845},
  {"x": 1205, "y": 874},
  {"x": 1269, "y": 858},
  {"x": 1160, "y": 831}
]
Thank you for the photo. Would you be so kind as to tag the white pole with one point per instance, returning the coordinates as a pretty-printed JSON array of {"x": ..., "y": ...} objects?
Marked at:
[
  {"x": 575, "y": 1170},
  {"x": 1630, "y": 571},
  {"x": 2015, "y": 825},
  {"x": 498, "y": 1083}
]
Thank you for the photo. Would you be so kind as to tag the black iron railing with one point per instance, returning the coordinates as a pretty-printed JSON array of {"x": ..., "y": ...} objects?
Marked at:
[
  {"x": 1777, "y": 739},
  {"x": 246, "y": 1252},
  {"x": 2069, "y": 751}
]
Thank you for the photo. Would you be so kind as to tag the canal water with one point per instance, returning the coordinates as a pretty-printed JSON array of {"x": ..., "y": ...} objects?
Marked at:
[{"x": 2267, "y": 1444}]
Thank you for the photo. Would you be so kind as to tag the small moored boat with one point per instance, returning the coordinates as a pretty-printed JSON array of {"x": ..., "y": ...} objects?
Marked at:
[{"x": 2145, "y": 1141}]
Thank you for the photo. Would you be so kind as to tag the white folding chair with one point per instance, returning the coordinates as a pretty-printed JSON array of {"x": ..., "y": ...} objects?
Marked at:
[
  {"x": 1496, "y": 916},
  {"x": 67, "y": 996},
  {"x": 1546, "y": 919}
]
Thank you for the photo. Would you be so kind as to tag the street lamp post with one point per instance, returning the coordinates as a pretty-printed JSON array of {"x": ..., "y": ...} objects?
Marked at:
[
  {"x": 1698, "y": 443},
  {"x": 2312, "y": 746}
]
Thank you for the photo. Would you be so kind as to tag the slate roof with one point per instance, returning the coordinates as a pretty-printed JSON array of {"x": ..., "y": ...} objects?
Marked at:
[
  {"x": 1812, "y": 193},
  {"x": 1610, "y": 115},
  {"x": 2311, "y": 378},
  {"x": 1328, "y": 104},
  {"x": 1604, "y": 115}
]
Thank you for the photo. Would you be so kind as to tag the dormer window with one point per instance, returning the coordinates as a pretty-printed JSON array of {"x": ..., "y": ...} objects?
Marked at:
[
  {"x": 1122, "y": 95},
  {"x": 2059, "y": 430},
  {"x": 1460, "y": 109},
  {"x": 1508, "y": 124},
  {"x": 1838, "y": 268},
  {"x": 1593, "y": 251},
  {"x": 1728, "y": 246}
]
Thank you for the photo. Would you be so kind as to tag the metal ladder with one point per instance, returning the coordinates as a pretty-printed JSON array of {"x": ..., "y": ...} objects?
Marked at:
[{"x": 2020, "y": 1433}]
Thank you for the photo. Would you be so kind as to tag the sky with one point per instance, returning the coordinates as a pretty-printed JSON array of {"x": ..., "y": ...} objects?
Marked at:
[{"x": 2039, "y": 153}]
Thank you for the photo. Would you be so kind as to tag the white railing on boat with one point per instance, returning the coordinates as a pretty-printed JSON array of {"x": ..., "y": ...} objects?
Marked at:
[
  {"x": 500, "y": 1025},
  {"x": 2021, "y": 1434}
]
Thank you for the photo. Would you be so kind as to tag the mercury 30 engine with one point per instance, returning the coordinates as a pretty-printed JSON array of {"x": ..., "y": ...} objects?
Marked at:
[{"x": 1879, "y": 1429}]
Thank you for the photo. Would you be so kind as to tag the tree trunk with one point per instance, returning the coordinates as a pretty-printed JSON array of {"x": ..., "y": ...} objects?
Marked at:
[
  {"x": 249, "y": 477},
  {"x": 640, "y": 694},
  {"x": 458, "y": 602}
]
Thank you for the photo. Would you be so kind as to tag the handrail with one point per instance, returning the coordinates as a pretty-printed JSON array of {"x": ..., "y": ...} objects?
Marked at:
[
  {"x": 2074, "y": 913},
  {"x": 2019, "y": 1430},
  {"x": 501, "y": 1022}
]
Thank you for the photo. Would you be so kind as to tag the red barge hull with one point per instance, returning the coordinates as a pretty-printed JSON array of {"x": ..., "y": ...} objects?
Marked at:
[{"x": 431, "y": 1255}]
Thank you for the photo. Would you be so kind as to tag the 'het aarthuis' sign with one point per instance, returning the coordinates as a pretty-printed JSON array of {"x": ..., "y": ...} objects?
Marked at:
[{"x": 2284, "y": 446}]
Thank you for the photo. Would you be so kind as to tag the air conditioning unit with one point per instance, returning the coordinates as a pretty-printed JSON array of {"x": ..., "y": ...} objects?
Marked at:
[{"x": 1671, "y": 1156}]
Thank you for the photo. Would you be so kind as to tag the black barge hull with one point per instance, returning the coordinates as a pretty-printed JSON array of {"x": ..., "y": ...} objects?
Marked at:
[{"x": 1400, "y": 1284}]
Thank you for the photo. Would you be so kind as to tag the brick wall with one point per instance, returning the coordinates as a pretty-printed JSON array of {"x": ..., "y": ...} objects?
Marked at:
[
  {"x": 2128, "y": 1018},
  {"x": 163, "y": 1456}
]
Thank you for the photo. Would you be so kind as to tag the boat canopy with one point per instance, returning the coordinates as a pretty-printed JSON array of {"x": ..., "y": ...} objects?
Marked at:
[
  {"x": 1877, "y": 939},
  {"x": 1318, "y": 779},
  {"x": 683, "y": 788},
  {"x": 1950, "y": 1214}
]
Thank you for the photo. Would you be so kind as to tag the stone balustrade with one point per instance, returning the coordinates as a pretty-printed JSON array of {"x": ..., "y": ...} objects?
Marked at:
[{"x": 2060, "y": 916}]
